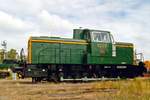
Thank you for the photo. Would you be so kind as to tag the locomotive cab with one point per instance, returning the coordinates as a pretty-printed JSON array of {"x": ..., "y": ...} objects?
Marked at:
[{"x": 101, "y": 45}]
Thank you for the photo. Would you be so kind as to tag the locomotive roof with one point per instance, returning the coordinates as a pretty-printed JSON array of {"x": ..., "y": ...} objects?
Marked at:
[
  {"x": 93, "y": 30},
  {"x": 56, "y": 38}
]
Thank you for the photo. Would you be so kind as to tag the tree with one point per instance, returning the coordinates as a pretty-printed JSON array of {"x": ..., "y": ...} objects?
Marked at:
[
  {"x": 147, "y": 65},
  {"x": 1, "y": 55},
  {"x": 12, "y": 54}
]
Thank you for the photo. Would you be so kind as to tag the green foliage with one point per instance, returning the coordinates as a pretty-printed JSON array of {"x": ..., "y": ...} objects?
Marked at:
[
  {"x": 1, "y": 55},
  {"x": 12, "y": 54}
]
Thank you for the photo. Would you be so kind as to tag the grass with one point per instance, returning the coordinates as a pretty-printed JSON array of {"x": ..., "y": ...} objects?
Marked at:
[
  {"x": 133, "y": 89},
  {"x": 137, "y": 88}
]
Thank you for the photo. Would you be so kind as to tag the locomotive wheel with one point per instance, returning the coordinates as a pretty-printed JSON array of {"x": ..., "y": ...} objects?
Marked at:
[
  {"x": 20, "y": 75},
  {"x": 35, "y": 80},
  {"x": 55, "y": 78}
]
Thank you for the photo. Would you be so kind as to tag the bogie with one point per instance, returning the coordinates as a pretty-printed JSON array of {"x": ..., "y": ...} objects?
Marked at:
[{"x": 86, "y": 72}]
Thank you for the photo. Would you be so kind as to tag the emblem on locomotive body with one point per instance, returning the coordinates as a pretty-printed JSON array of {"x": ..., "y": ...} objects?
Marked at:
[{"x": 102, "y": 48}]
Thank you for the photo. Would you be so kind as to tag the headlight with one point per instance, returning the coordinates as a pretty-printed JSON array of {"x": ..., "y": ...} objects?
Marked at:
[
  {"x": 29, "y": 70},
  {"x": 43, "y": 70}
]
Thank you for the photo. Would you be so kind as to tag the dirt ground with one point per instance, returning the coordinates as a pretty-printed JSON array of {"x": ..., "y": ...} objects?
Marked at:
[{"x": 23, "y": 89}]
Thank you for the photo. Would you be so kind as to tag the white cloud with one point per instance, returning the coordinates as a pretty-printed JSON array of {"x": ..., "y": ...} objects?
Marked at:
[
  {"x": 128, "y": 20},
  {"x": 54, "y": 23},
  {"x": 12, "y": 24},
  {"x": 21, "y": 8}
]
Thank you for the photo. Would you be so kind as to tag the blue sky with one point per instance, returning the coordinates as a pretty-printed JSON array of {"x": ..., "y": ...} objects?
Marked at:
[{"x": 128, "y": 20}]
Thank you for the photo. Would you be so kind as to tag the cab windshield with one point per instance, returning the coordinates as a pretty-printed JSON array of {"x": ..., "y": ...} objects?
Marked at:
[{"x": 98, "y": 36}]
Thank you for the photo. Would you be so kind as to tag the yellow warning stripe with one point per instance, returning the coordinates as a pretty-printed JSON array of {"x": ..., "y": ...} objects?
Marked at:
[
  {"x": 29, "y": 51},
  {"x": 125, "y": 46},
  {"x": 60, "y": 41}
]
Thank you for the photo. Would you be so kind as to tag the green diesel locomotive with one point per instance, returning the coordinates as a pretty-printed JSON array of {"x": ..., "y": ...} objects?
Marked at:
[{"x": 90, "y": 55}]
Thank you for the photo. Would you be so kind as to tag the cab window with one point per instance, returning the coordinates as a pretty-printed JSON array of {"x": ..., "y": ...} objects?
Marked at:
[{"x": 100, "y": 36}]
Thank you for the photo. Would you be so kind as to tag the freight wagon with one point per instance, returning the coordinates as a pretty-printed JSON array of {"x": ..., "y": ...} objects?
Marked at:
[{"x": 89, "y": 55}]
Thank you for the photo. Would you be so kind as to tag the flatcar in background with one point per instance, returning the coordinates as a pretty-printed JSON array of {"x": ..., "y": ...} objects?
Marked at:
[
  {"x": 6, "y": 66},
  {"x": 89, "y": 55}
]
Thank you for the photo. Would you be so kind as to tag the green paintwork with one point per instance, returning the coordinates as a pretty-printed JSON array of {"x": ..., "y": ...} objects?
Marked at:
[
  {"x": 91, "y": 53},
  {"x": 123, "y": 56},
  {"x": 57, "y": 53}
]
